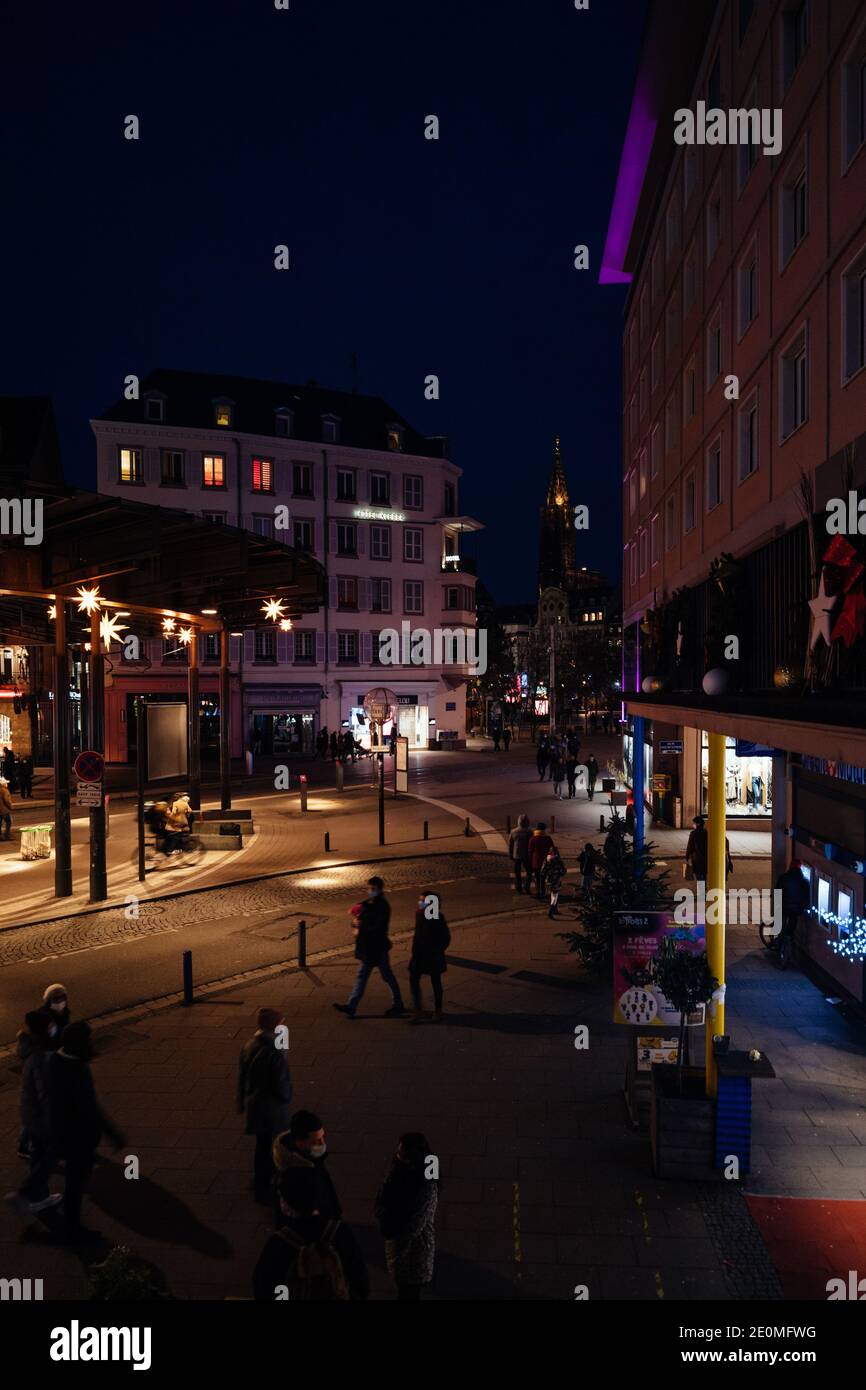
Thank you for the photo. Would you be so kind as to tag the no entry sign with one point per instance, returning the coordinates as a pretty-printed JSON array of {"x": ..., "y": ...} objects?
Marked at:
[{"x": 89, "y": 766}]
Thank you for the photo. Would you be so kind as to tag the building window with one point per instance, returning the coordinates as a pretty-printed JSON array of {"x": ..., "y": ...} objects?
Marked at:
[
  {"x": 347, "y": 648},
  {"x": 222, "y": 414},
  {"x": 670, "y": 522},
  {"x": 794, "y": 385},
  {"x": 643, "y": 552},
  {"x": 154, "y": 408},
  {"x": 656, "y": 284},
  {"x": 413, "y": 543},
  {"x": 690, "y": 172},
  {"x": 284, "y": 423},
  {"x": 450, "y": 499},
  {"x": 130, "y": 463},
  {"x": 330, "y": 429},
  {"x": 302, "y": 480},
  {"x": 714, "y": 475},
  {"x": 263, "y": 526},
  {"x": 714, "y": 222},
  {"x": 263, "y": 475},
  {"x": 690, "y": 279},
  {"x": 413, "y": 596},
  {"x": 642, "y": 473},
  {"x": 346, "y": 486},
  {"x": 654, "y": 540},
  {"x": 632, "y": 490},
  {"x": 380, "y": 489},
  {"x": 380, "y": 595},
  {"x": 794, "y": 209},
  {"x": 854, "y": 99},
  {"x": 747, "y": 154},
  {"x": 395, "y": 438},
  {"x": 347, "y": 592},
  {"x": 266, "y": 646},
  {"x": 714, "y": 348},
  {"x": 213, "y": 470},
  {"x": 211, "y": 646},
  {"x": 380, "y": 542},
  {"x": 305, "y": 645},
  {"x": 174, "y": 650},
  {"x": 671, "y": 422},
  {"x": 172, "y": 468},
  {"x": 215, "y": 518},
  {"x": 747, "y": 276},
  {"x": 347, "y": 538},
  {"x": 303, "y": 534},
  {"x": 690, "y": 403},
  {"x": 689, "y": 509},
  {"x": 747, "y": 459},
  {"x": 656, "y": 361},
  {"x": 656, "y": 451},
  {"x": 854, "y": 316},
  {"x": 795, "y": 38},
  {"x": 413, "y": 492},
  {"x": 633, "y": 564}
]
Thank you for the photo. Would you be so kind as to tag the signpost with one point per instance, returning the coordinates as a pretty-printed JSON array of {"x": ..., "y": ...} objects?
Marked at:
[
  {"x": 661, "y": 782},
  {"x": 380, "y": 705},
  {"x": 89, "y": 766},
  {"x": 670, "y": 745},
  {"x": 89, "y": 794},
  {"x": 401, "y": 766}
]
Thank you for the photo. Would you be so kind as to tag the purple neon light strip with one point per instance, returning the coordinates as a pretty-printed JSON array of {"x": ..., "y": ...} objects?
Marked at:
[{"x": 636, "y": 149}]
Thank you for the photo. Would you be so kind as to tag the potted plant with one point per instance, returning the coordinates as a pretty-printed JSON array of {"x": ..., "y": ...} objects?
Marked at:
[
  {"x": 682, "y": 1117},
  {"x": 125, "y": 1277}
]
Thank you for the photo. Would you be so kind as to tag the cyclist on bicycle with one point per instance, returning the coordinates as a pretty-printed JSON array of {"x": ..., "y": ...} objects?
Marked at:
[{"x": 795, "y": 897}]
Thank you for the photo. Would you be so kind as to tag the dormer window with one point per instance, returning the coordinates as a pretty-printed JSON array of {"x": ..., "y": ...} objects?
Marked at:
[
  {"x": 330, "y": 429},
  {"x": 395, "y": 438},
  {"x": 283, "y": 422},
  {"x": 222, "y": 413},
  {"x": 154, "y": 408}
]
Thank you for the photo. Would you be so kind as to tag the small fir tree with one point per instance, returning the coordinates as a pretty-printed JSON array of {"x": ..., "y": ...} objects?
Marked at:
[{"x": 686, "y": 981}]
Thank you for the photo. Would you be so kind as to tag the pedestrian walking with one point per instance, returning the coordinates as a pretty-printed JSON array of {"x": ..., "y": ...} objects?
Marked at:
[
  {"x": 304, "y": 1147},
  {"x": 35, "y": 1137},
  {"x": 55, "y": 1006},
  {"x": 333, "y": 746},
  {"x": 372, "y": 948},
  {"x": 5, "y": 810},
  {"x": 406, "y": 1211},
  {"x": 571, "y": 774},
  {"x": 429, "y": 944},
  {"x": 542, "y": 756},
  {"x": 557, "y": 772},
  {"x": 264, "y": 1094},
  {"x": 697, "y": 850},
  {"x": 24, "y": 769},
  {"x": 795, "y": 900},
  {"x": 588, "y": 862},
  {"x": 311, "y": 1257},
  {"x": 539, "y": 847},
  {"x": 77, "y": 1121},
  {"x": 496, "y": 735},
  {"x": 605, "y": 722},
  {"x": 506, "y": 738},
  {"x": 591, "y": 776},
  {"x": 518, "y": 852},
  {"x": 555, "y": 871},
  {"x": 9, "y": 771}
]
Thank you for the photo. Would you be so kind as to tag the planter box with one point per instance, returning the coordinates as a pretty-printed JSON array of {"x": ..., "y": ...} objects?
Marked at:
[{"x": 682, "y": 1127}]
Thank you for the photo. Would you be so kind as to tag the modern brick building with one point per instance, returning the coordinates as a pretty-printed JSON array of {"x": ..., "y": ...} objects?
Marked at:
[
  {"x": 341, "y": 477},
  {"x": 749, "y": 266}
]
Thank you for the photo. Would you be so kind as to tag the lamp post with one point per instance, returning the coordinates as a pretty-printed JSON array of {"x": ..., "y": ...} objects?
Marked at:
[
  {"x": 62, "y": 822},
  {"x": 98, "y": 871}
]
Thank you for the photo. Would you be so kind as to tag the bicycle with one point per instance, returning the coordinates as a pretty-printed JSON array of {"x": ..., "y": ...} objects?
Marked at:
[
  {"x": 780, "y": 941},
  {"x": 187, "y": 855}
]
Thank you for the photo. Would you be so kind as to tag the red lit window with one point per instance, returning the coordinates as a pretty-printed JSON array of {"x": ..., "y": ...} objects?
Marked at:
[{"x": 262, "y": 475}]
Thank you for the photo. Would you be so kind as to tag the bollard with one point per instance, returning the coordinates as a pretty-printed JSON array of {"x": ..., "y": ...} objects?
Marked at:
[
  {"x": 338, "y": 770},
  {"x": 303, "y": 785},
  {"x": 553, "y": 825},
  {"x": 426, "y": 830},
  {"x": 508, "y": 825},
  {"x": 302, "y": 944},
  {"x": 466, "y": 829},
  {"x": 327, "y": 842},
  {"x": 601, "y": 822},
  {"x": 187, "y": 977}
]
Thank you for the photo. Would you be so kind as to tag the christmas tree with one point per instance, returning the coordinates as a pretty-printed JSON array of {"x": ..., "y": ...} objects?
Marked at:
[{"x": 626, "y": 880}]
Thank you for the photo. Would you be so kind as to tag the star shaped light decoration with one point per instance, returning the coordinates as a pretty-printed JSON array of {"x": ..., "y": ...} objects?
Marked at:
[
  {"x": 274, "y": 609},
  {"x": 185, "y": 635},
  {"x": 285, "y": 625},
  {"x": 168, "y": 624},
  {"x": 52, "y": 612},
  {"x": 110, "y": 629},
  {"x": 88, "y": 599},
  {"x": 821, "y": 606}
]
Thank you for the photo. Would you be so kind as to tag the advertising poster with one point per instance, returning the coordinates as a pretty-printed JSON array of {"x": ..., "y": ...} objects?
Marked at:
[{"x": 636, "y": 937}]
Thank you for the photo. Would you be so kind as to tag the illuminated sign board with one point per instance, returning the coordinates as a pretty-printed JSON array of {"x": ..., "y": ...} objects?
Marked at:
[{"x": 375, "y": 514}]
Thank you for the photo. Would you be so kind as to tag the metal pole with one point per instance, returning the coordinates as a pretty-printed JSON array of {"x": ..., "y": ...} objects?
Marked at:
[
  {"x": 98, "y": 870},
  {"x": 194, "y": 724},
  {"x": 716, "y": 909},
  {"x": 225, "y": 724},
  {"x": 187, "y": 977},
  {"x": 551, "y": 694},
  {"x": 426, "y": 830},
  {"x": 381, "y": 757},
  {"x": 302, "y": 943},
  {"x": 638, "y": 728},
  {"x": 62, "y": 822},
  {"x": 140, "y": 762}
]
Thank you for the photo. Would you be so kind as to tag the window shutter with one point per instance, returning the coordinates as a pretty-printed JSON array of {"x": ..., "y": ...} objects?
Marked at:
[
  {"x": 320, "y": 648},
  {"x": 151, "y": 465},
  {"x": 290, "y": 646},
  {"x": 249, "y": 646},
  {"x": 283, "y": 647},
  {"x": 332, "y": 592},
  {"x": 316, "y": 476},
  {"x": 332, "y": 482},
  {"x": 332, "y": 648},
  {"x": 364, "y": 595},
  {"x": 332, "y": 537},
  {"x": 366, "y": 648},
  {"x": 362, "y": 539},
  {"x": 363, "y": 485},
  {"x": 234, "y": 650}
]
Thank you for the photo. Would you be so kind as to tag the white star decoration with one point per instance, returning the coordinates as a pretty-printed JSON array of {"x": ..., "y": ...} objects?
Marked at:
[{"x": 822, "y": 606}]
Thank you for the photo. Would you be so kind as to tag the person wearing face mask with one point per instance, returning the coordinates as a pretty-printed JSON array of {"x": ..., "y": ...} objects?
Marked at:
[
  {"x": 55, "y": 1005},
  {"x": 303, "y": 1147},
  {"x": 77, "y": 1121},
  {"x": 406, "y": 1211},
  {"x": 372, "y": 948},
  {"x": 310, "y": 1256}
]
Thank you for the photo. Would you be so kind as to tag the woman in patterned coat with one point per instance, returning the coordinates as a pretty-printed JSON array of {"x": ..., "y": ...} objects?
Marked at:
[{"x": 406, "y": 1212}]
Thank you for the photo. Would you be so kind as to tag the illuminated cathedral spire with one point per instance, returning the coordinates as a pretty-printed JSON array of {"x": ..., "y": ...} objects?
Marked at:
[{"x": 556, "y": 566}]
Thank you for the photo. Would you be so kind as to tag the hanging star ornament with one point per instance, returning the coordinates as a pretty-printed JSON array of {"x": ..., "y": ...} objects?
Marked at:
[
  {"x": 110, "y": 629},
  {"x": 185, "y": 635},
  {"x": 88, "y": 599},
  {"x": 821, "y": 606},
  {"x": 274, "y": 609},
  {"x": 52, "y": 612},
  {"x": 168, "y": 624},
  {"x": 285, "y": 625}
]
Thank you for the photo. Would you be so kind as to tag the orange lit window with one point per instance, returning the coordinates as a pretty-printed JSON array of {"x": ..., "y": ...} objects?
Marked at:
[{"x": 213, "y": 470}]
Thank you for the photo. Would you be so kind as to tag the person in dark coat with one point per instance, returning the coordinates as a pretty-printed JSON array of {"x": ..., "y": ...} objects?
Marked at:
[
  {"x": 304, "y": 1147},
  {"x": 406, "y": 1211},
  {"x": 587, "y": 863},
  {"x": 265, "y": 1094},
  {"x": 310, "y": 1255},
  {"x": 554, "y": 871},
  {"x": 591, "y": 776},
  {"x": 55, "y": 1006},
  {"x": 540, "y": 846},
  {"x": 77, "y": 1121},
  {"x": 429, "y": 944},
  {"x": 372, "y": 948},
  {"x": 9, "y": 771},
  {"x": 32, "y": 1048},
  {"x": 25, "y": 776},
  {"x": 506, "y": 738},
  {"x": 571, "y": 773},
  {"x": 518, "y": 852},
  {"x": 542, "y": 756},
  {"x": 332, "y": 743},
  {"x": 795, "y": 896},
  {"x": 6, "y": 809}
]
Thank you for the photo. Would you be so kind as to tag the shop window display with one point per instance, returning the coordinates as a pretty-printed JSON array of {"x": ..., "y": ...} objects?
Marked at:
[{"x": 748, "y": 782}]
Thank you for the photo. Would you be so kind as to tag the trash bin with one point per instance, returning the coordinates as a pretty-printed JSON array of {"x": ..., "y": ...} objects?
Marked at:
[{"x": 734, "y": 1105}]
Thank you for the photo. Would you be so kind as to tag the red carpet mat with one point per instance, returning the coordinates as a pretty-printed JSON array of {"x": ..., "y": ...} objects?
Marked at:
[{"x": 812, "y": 1241}]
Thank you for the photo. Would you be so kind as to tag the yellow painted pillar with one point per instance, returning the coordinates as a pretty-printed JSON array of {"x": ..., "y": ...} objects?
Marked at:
[{"x": 716, "y": 901}]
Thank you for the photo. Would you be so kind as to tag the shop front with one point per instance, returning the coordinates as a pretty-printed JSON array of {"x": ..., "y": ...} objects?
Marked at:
[
  {"x": 748, "y": 779},
  {"x": 281, "y": 721},
  {"x": 413, "y": 719}
]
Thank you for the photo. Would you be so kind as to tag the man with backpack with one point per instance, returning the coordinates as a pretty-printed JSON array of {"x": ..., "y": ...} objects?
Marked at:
[{"x": 311, "y": 1257}]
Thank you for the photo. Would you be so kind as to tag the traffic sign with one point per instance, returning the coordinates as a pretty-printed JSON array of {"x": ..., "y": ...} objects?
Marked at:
[
  {"x": 89, "y": 793},
  {"x": 661, "y": 782},
  {"x": 89, "y": 766},
  {"x": 670, "y": 745}
]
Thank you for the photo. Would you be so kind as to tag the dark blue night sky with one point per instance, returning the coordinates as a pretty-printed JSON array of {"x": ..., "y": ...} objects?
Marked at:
[{"x": 260, "y": 126}]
